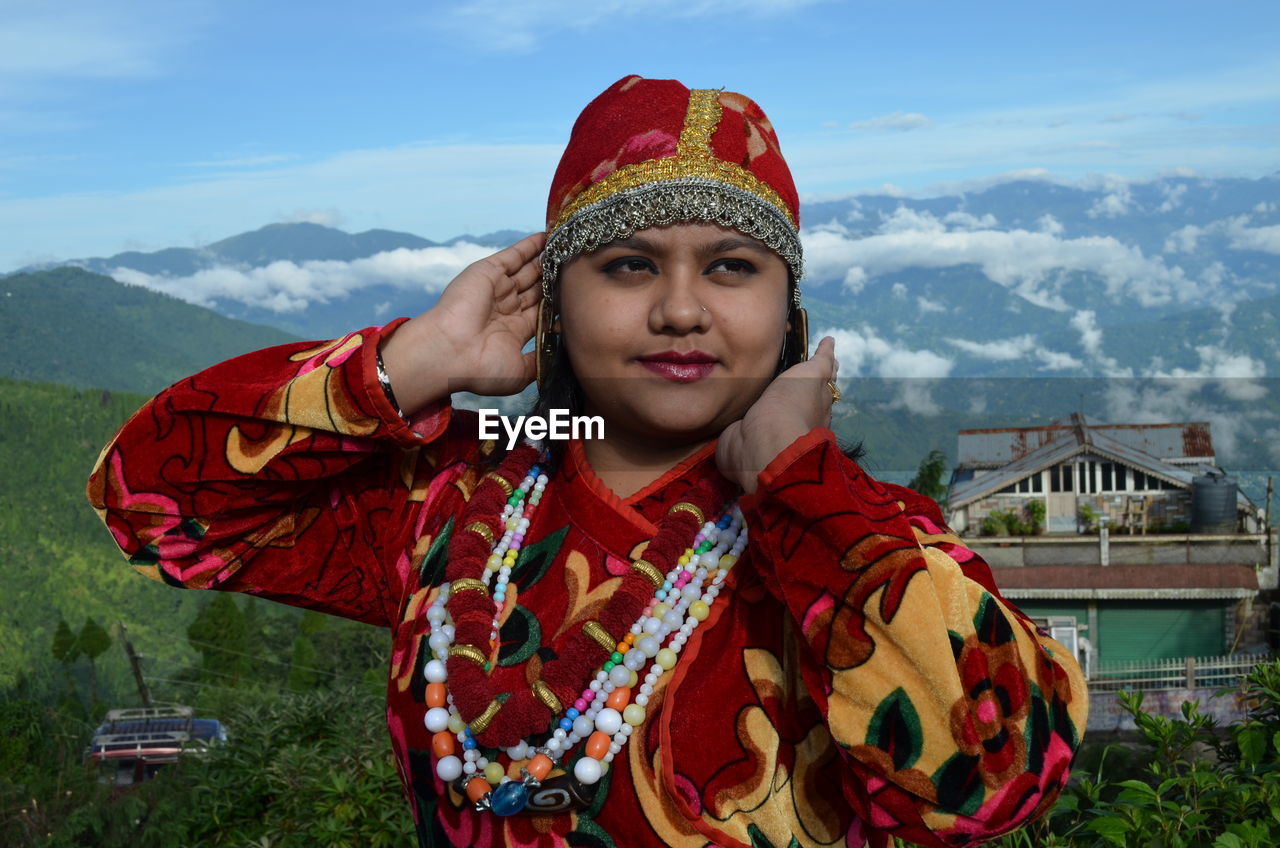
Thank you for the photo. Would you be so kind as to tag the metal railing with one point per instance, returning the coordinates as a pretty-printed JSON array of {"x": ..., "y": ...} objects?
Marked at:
[{"x": 1175, "y": 673}]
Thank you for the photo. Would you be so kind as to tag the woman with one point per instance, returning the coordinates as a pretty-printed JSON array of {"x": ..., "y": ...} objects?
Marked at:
[{"x": 579, "y": 656}]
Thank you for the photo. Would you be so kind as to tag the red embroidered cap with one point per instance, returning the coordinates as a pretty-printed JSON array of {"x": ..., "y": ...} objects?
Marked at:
[{"x": 651, "y": 152}]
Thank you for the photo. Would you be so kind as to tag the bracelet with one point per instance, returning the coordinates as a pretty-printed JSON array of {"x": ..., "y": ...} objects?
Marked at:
[{"x": 385, "y": 382}]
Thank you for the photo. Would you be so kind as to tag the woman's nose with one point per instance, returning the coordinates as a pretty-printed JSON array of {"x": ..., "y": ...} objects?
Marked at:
[{"x": 678, "y": 305}]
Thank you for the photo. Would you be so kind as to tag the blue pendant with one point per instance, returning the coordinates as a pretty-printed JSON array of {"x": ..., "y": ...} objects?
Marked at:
[{"x": 509, "y": 798}]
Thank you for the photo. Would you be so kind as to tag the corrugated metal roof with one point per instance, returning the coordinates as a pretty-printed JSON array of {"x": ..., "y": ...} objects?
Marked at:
[
  {"x": 997, "y": 447},
  {"x": 1074, "y": 438},
  {"x": 1173, "y": 576}
]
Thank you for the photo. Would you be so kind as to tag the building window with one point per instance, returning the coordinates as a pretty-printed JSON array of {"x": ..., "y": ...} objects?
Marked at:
[
  {"x": 1109, "y": 477},
  {"x": 1063, "y": 629},
  {"x": 1061, "y": 478},
  {"x": 1147, "y": 483},
  {"x": 1026, "y": 486}
]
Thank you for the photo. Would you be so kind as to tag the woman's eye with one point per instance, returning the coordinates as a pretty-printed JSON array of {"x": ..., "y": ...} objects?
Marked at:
[
  {"x": 733, "y": 266},
  {"x": 629, "y": 265}
]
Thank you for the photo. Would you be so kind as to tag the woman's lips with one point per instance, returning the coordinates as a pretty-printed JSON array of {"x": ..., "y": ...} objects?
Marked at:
[{"x": 680, "y": 366}]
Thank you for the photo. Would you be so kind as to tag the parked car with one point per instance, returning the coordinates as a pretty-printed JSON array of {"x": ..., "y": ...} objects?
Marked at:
[{"x": 132, "y": 744}]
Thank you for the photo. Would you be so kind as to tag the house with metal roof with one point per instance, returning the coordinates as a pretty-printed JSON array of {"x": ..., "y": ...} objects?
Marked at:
[{"x": 1127, "y": 541}]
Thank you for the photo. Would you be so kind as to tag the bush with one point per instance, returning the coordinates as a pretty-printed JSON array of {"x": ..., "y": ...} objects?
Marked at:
[
  {"x": 1089, "y": 518},
  {"x": 312, "y": 769},
  {"x": 1203, "y": 785},
  {"x": 1011, "y": 522}
]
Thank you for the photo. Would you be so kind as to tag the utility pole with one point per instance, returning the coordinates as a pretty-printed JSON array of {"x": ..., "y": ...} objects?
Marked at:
[{"x": 137, "y": 666}]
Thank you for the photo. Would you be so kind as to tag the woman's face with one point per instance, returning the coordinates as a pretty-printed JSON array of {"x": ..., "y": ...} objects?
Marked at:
[{"x": 674, "y": 332}]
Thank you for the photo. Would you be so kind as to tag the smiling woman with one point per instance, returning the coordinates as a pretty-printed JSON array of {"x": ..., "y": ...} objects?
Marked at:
[{"x": 706, "y": 626}]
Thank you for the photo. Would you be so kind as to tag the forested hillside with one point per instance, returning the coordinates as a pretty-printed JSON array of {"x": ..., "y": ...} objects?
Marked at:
[
  {"x": 70, "y": 326},
  {"x": 66, "y": 588}
]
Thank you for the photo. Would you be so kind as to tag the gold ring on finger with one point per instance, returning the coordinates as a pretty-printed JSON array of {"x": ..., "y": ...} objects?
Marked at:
[{"x": 835, "y": 391}]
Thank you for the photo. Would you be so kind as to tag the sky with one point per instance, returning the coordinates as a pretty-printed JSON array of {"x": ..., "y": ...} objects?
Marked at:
[{"x": 144, "y": 125}]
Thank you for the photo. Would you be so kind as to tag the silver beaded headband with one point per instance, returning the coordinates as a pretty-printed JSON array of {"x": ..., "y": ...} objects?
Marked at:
[{"x": 656, "y": 204}]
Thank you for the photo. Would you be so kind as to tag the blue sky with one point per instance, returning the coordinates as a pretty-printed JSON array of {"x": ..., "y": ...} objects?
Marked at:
[{"x": 142, "y": 125}]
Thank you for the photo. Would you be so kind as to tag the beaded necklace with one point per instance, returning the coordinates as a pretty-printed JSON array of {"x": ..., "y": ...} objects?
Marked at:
[{"x": 679, "y": 592}]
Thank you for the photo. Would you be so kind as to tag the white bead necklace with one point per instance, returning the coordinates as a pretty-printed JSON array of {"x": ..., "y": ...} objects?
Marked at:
[{"x": 607, "y": 713}]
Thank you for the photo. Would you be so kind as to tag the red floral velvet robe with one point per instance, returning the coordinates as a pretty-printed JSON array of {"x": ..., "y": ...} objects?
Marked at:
[{"x": 861, "y": 675}]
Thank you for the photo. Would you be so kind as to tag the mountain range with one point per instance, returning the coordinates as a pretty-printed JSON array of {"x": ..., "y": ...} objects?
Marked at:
[{"x": 1022, "y": 279}]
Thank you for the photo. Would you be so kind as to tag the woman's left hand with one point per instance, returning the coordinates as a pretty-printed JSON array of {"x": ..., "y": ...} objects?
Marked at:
[{"x": 793, "y": 404}]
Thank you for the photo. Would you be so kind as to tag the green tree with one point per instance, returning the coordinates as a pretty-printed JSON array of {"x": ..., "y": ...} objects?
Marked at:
[
  {"x": 302, "y": 675},
  {"x": 66, "y": 648},
  {"x": 93, "y": 642},
  {"x": 220, "y": 635},
  {"x": 929, "y": 477}
]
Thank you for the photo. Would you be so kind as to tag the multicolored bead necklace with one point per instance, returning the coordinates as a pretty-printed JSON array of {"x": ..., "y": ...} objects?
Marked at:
[{"x": 615, "y": 701}]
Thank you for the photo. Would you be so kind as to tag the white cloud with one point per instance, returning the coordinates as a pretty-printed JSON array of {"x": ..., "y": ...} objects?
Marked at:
[
  {"x": 1033, "y": 265},
  {"x": 855, "y": 279},
  {"x": 1172, "y": 196},
  {"x": 1114, "y": 203},
  {"x": 862, "y": 352},
  {"x": 1197, "y": 395},
  {"x": 1244, "y": 237},
  {"x": 1055, "y": 360},
  {"x": 1240, "y": 236},
  {"x": 1183, "y": 240},
  {"x": 999, "y": 350},
  {"x": 899, "y": 291},
  {"x": 896, "y": 122},
  {"x": 1235, "y": 373},
  {"x": 965, "y": 221},
  {"x": 291, "y": 287},
  {"x": 1049, "y": 224},
  {"x": 924, "y": 304},
  {"x": 1085, "y": 321},
  {"x": 904, "y": 219},
  {"x": 916, "y": 396},
  {"x": 1025, "y": 347}
]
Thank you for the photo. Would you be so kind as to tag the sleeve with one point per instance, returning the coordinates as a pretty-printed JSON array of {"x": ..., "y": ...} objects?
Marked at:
[
  {"x": 956, "y": 717},
  {"x": 284, "y": 473}
]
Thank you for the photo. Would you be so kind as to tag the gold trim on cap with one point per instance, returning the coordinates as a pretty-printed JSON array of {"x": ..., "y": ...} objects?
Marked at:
[
  {"x": 694, "y": 158},
  {"x": 468, "y": 584},
  {"x": 700, "y": 121},
  {"x": 482, "y": 721},
  {"x": 684, "y": 506},
  {"x": 649, "y": 570},
  {"x": 543, "y": 693},
  {"x": 469, "y": 652},
  {"x": 596, "y": 631}
]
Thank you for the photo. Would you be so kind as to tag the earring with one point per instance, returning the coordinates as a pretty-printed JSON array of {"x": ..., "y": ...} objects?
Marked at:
[
  {"x": 797, "y": 345},
  {"x": 546, "y": 337}
]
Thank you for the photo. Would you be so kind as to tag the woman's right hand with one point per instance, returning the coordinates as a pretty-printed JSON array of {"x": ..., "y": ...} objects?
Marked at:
[{"x": 472, "y": 339}]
